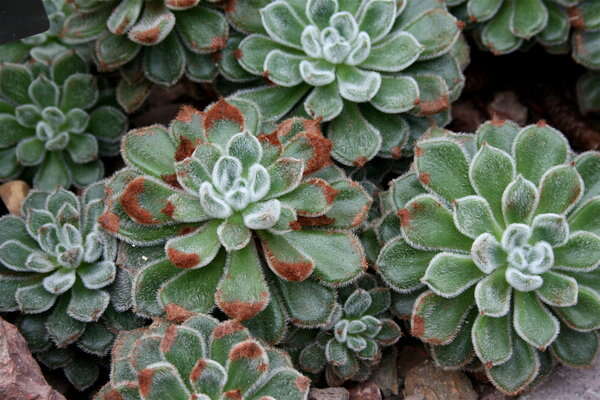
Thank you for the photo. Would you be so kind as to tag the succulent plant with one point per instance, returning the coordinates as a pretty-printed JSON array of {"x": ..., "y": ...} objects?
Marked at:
[
  {"x": 500, "y": 233},
  {"x": 154, "y": 41},
  {"x": 375, "y": 69},
  {"x": 83, "y": 361},
  {"x": 51, "y": 125},
  {"x": 215, "y": 198},
  {"x": 588, "y": 93},
  {"x": 42, "y": 47},
  {"x": 504, "y": 26},
  {"x": 58, "y": 269},
  {"x": 202, "y": 359},
  {"x": 351, "y": 345}
]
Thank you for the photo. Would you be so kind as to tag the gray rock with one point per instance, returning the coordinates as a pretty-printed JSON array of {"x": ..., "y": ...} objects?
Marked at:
[
  {"x": 329, "y": 394},
  {"x": 569, "y": 384},
  {"x": 433, "y": 383},
  {"x": 20, "y": 376}
]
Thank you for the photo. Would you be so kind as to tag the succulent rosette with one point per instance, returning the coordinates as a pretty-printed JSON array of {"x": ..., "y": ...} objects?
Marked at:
[
  {"x": 149, "y": 41},
  {"x": 504, "y": 26},
  {"x": 588, "y": 92},
  {"x": 202, "y": 359},
  {"x": 44, "y": 46},
  {"x": 53, "y": 125},
  {"x": 57, "y": 267},
  {"x": 375, "y": 69},
  {"x": 353, "y": 341},
  {"x": 500, "y": 234},
  {"x": 234, "y": 213}
]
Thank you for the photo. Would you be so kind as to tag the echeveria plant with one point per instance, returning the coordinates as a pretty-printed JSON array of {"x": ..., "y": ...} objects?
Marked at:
[
  {"x": 162, "y": 39},
  {"x": 221, "y": 201},
  {"x": 504, "y": 26},
  {"x": 51, "y": 125},
  {"x": 42, "y": 47},
  {"x": 200, "y": 359},
  {"x": 501, "y": 229},
  {"x": 588, "y": 92},
  {"x": 374, "y": 68},
  {"x": 352, "y": 343},
  {"x": 57, "y": 267}
]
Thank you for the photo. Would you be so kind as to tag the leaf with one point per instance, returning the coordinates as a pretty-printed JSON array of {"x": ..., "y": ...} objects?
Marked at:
[
  {"x": 377, "y": 19},
  {"x": 309, "y": 304},
  {"x": 473, "y": 217},
  {"x": 15, "y": 80},
  {"x": 533, "y": 322},
  {"x": 513, "y": 376},
  {"x": 44, "y": 92},
  {"x": 436, "y": 30},
  {"x": 442, "y": 166},
  {"x": 561, "y": 189},
  {"x": 337, "y": 255},
  {"x": 190, "y": 290},
  {"x": 492, "y": 339},
  {"x": 538, "y": 148},
  {"x": 137, "y": 153},
  {"x": 519, "y": 201},
  {"x": 161, "y": 381},
  {"x": 202, "y": 29},
  {"x": 583, "y": 316},
  {"x": 449, "y": 275},
  {"x": 402, "y": 266},
  {"x": 395, "y": 53},
  {"x": 437, "y": 320},
  {"x": 490, "y": 172},
  {"x": 580, "y": 253},
  {"x": 195, "y": 249},
  {"x": 79, "y": 91},
  {"x": 87, "y": 305},
  {"x": 576, "y": 349},
  {"x": 282, "y": 23},
  {"x": 208, "y": 377},
  {"x": 529, "y": 17},
  {"x": 34, "y": 299},
  {"x": 428, "y": 225},
  {"x": 357, "y": 85},
  {"x": 355, "y": 140},
  {"x": 243, "y": 292}
]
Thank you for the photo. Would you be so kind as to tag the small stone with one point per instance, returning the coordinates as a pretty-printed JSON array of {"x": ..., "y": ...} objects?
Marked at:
[
  {"x": 365, "y": 391},
  {"x": 337, "y": 393},
  {"x": 409, "y": 357},
  {"x": 20, "y": 376},
  {"x": 466, "y": 117},
  {"x": 12, "y": 194},
  {"x": 568, "y": 383},
  {"x": 506, "y": 105},
  {"x": 386, "y": 374},
  {"x": 435, "y": 384}
]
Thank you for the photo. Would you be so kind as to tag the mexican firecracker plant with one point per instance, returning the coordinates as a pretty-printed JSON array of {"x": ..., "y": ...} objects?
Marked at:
[
  {"x": 155, "y": 41},
  {"x": 375, "y": 69},
  {"x": 52, "y": 126},
  {"x": 44, "y": 46},
  {"x": 202, "y": 359},
  {"x": 57, "y": 267},
  {"x": 501, "y": 233},
  {"x": 218, "y": 198},
  {"x": 353, "y": 341},
  {"x": 504, "y": 26}
]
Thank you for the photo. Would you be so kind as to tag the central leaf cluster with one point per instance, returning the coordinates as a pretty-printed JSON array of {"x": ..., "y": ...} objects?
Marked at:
[
  {"x": 339, "y": 43},
  {"x": 238, "y": 180},
  {"x": 526, "y": 262}
]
